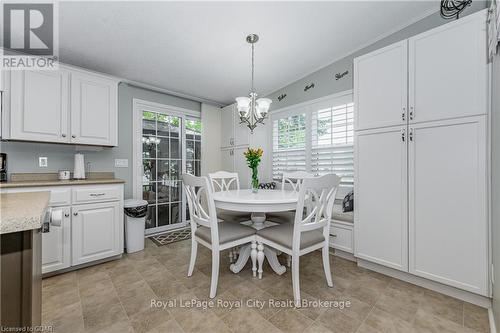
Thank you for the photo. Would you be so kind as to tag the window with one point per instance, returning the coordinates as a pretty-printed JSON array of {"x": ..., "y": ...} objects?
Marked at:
[
  {"x": 332, "y": 149},
  {"x": 289, "y": 144},
  {"x": 167, "y": 143},
  {"x": 316, "y": 137}
]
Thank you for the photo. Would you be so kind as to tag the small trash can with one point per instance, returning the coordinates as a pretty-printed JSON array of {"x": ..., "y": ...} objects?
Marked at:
[{"x": 135, "y": 220}]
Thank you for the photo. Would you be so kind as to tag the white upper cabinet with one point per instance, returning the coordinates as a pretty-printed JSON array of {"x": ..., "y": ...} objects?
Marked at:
[
  {"x": 39, "y": 106},
  {"x": 380, "y": 216},
  {"x": 448, "y": 233},
  {"x": 233, "y": 133},
  {"x": 241, "y": 131},
  {"x": 94, "y": 112},
  {"x": 227, "y": 126},
  {"x": 380, "y": 87},
  {"x": 448, "y": 71}
]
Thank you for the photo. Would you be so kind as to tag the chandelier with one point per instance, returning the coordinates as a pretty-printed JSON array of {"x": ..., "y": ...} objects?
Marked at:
[{"x": 252, "y": 110}]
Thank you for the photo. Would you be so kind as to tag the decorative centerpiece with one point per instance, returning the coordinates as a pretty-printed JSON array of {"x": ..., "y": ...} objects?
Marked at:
[{"x": 253, "y": 160}]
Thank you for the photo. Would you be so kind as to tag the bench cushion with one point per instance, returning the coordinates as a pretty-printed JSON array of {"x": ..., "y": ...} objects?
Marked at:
[{"x": 283, "y": 235}]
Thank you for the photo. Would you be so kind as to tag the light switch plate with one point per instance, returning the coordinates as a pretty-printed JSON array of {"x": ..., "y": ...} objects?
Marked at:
[
  {"x": 121, "y": 163},
  {"x": 42, "y": 162}
]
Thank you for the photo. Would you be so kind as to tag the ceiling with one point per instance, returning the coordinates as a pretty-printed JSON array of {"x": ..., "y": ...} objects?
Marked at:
[{"x": 199, "y": 48}]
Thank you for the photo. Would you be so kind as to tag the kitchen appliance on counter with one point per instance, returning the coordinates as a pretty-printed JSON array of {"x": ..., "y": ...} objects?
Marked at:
[
  {"x": 63, "y": 175},
  {"x": 3, "y": 167},
  {"x": 79, "y": 171}
]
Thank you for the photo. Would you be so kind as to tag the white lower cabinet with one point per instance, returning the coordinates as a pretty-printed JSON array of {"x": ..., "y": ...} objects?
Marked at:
[
  {"x": 56, "y": 244},
  {"x": 380, "y": 214},
  {"x": 448, "y": 232},
  {"x": 91, "y": 228},
  {"x": 341, "y": 236},
  {"x": 95, "y": 231}
]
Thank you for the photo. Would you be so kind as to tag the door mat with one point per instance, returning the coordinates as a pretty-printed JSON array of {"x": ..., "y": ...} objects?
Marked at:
[{"x": 172, "y": 236}]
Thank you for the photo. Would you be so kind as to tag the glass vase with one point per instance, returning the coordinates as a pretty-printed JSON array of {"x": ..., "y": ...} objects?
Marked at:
[{"x": 255, "y": 180}]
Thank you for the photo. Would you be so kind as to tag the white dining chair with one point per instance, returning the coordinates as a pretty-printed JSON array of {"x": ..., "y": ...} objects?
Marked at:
[
  {"x": 292, "y": 180},
  {"x": 225, "y": 181},
  {"x": 205, "y": 228},
  {"x": 305, "y": 234}
]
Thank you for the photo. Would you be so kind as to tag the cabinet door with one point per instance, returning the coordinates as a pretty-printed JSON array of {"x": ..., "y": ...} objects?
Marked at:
[
  {"x": 39, "y": 106},
  {"x": 380, "y": 87},
  {"x": 227, "y": 160},
  {"x": 56, "y": 244},
  {"x": 94, "y": 112},
  {"x": 241, "y": 131},
  {"x": 96, "y": 230},
  {"x": 448, "y": 71},
  {"x": 380, "y": 216},
  {"x": 227, "y": 126},
  {"x": 447, "y": 202},
  {"x": 241, "y": 167}
]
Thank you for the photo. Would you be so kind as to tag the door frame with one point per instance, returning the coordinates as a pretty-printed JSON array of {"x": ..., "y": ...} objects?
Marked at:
[{"x": 140, "y": 105}]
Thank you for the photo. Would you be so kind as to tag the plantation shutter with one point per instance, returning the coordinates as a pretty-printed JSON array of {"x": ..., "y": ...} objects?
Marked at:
[
  {"x": 289, "y": 144},
  {"x": 332, "y": 135}
]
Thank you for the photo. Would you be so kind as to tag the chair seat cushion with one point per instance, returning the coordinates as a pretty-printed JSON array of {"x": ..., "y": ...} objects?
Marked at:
[
  {"x": 339, "y": 215},
  {"x": 283, "y": 235},
  {"x": 230, "y": 216},
  {"x": 281, "y": 217},
  {"x": 228, "y": 232}
]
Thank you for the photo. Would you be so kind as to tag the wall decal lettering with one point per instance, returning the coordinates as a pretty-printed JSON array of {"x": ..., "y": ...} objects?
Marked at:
[
  {"x": 309, "y": 87},
  {"x": 338, "y": 76},
  {"x": 280, "y": 97}
]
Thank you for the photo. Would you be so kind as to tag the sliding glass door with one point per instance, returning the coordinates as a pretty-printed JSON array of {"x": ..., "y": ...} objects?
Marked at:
[{"x": 171, "y": 145}]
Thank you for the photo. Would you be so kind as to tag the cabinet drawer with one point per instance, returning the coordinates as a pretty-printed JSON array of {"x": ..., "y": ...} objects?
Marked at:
[
  {"x": 341, "y": 237},
  {"x": 59, "y": 196},
  {"x": 96, "y": 194}
]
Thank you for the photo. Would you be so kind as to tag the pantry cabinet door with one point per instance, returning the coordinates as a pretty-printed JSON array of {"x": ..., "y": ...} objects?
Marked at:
[
  {"x": 380, "y": 87},
  {"x": 96, "y": 230},
  {"x": 448, "y": 71},
  {"x": 39, "y": 106},
  {"x": 94, "y": 111},
  {"x": 448, "y": 226},
  {"x": 380, "y": 215},
  {"x": 227, "y": 126}
]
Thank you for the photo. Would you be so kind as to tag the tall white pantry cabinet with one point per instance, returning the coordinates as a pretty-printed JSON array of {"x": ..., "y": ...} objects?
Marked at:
[{"x": 421, "y": 110}]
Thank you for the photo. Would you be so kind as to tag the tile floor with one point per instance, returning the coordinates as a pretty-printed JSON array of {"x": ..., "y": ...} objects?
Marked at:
[{"x": 116, "y": 297}]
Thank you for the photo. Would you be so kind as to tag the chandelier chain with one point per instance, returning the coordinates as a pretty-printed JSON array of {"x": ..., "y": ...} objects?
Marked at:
[{"x": 253, "y": 67}]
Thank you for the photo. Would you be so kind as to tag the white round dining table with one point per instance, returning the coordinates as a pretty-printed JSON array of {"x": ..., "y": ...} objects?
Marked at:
[{"x": 259, "y": 203}]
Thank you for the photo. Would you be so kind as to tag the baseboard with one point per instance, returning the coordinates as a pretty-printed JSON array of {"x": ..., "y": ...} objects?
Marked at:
[
  {"x": 463, "y": 295},
  {"x": 343, "y": 254},
  {"x": 493, "y": 327},
  {"x": 88, "y": 264}
]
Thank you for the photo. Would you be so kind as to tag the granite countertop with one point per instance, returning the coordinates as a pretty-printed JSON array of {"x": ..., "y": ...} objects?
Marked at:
[
  {"x": 22, "y": 211},
  {"x": 33, "y": 183}
]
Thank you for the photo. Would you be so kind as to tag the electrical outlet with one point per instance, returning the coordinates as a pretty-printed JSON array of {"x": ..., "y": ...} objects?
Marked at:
[
  {"x": 42, "y": 162},
  {"x": 121, "y": 163}
]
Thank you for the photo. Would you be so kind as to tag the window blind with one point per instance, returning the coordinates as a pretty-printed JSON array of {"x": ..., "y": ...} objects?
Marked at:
[
  {"x": 289, "y": 144},
  {"x": 332, "y": 135}
]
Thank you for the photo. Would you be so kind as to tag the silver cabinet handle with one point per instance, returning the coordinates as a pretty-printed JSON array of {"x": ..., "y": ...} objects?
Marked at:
[
  {"x": 403, "y": 135},
  {"x": 411, "y": 112},
  {"x": 75, "y": 213},
  {"x": 403, "y": 114},
  {"x": 63, "y": 135},
  {"x": 73, "y": 136},
  {"x": 411, "y": 134},
  {"x": 334, "y": 236},
  {"x": 97, "y": 194},
  {"x": 66, "y": 215}
]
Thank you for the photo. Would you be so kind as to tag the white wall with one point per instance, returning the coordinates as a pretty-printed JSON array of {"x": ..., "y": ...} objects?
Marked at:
[{"x": 210, "y": 139}]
